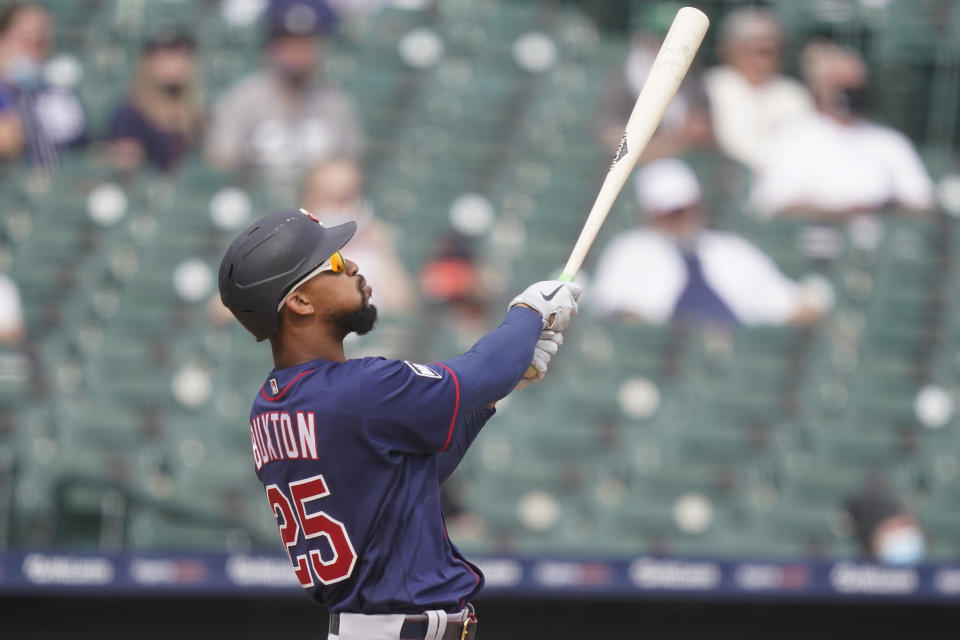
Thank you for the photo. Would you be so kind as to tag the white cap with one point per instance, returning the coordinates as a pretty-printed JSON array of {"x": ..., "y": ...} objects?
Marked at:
[{"x": 665, "y": 186}]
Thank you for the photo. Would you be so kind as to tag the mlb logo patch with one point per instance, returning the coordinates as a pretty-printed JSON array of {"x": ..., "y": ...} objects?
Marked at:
[
  {"x": 274, "y": 389},
  {"x": 423, "y": 370}
]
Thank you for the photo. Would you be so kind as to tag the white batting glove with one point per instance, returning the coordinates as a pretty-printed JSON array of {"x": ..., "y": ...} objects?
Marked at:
[
  {"x": 547, "y": 347},
  {"x": 555, "y": 301}
]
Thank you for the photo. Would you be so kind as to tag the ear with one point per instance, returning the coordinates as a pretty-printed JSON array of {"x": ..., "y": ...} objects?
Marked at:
[{"x": 299, "y": 304}]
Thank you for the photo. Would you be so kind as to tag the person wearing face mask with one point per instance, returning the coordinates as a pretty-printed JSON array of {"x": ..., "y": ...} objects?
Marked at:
[
  {"x": 162, "y": 117},
  {"x": 836, "y": 163},
  {"x": 886, "y": 531},
  {"x": 285, "y": 117},
  {"x": 675, "y": 269},
  {"x": 36, "y": 120},
  {"x": 333, "y": 191}
]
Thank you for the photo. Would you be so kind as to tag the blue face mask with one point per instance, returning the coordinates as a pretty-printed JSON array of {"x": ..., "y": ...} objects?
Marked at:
[
  {"x": 902, "y": 547},
  {"x": 22, "y": 71}
]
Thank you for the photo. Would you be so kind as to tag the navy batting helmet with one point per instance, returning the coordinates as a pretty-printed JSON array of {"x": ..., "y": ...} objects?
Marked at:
[{"x": 268, "y": 258}]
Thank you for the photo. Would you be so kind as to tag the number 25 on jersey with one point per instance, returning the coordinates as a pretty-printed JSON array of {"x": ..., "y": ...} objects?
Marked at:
[{"x": 340, "y": 566}]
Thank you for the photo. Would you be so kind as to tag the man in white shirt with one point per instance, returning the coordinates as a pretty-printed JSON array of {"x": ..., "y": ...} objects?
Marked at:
[
  {"x": 836, "y": 163},
  {"x": 676, "y": 269},
  {"x": 749, "y": 98},
  {"x": 285, "y": 118},
  {"x": 11, "y": 313}
]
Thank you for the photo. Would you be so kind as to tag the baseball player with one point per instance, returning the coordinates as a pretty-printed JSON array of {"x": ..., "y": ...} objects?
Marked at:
[{"x": 352, "y": 453}]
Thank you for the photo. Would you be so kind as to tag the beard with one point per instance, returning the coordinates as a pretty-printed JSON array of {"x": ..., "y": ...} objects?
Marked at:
[{"x": 359, "y": 321}]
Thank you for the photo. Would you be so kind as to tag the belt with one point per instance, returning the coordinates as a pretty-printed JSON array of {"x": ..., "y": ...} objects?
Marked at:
[{"x": 461, "y": 626}]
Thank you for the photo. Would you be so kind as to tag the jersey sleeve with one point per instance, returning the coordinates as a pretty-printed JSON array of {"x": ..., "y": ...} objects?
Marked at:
[
  {"x": 409, "y": 407},
  {"x": 497, "y": 362},
  {"x": 414, "y": 408},
  {"x": 465, "y": 432}
]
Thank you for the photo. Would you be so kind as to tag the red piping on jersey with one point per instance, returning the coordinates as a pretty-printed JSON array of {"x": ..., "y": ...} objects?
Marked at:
[
  {"x": 456, "y": 406},
  {"x": 284, "y": 390}
]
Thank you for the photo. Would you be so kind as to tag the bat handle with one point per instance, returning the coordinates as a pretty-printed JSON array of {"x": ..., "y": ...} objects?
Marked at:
[{"x": 565, "y": 277}]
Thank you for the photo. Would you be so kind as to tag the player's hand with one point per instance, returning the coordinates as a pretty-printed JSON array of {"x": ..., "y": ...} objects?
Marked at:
[
  {"x": 555, "y": 301},
  {"x": 547, "y": 347}
]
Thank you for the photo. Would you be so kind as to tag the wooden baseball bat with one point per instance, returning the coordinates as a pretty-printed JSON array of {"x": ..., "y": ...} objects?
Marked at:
[{"x": 668, "y": 70}]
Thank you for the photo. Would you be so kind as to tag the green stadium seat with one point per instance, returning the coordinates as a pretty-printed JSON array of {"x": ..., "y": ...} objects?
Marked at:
[{"x": 157, "y": 531}]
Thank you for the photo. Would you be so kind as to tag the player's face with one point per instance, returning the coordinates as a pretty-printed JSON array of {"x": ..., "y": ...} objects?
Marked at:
[{"x": 344, "y": 298}]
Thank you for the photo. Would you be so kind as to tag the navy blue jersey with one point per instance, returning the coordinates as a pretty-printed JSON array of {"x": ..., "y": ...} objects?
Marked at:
[{"x": 352, "y": 455}]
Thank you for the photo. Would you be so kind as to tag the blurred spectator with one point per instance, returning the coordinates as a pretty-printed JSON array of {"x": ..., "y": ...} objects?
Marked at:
[
  {"x": 749, "y": 97},
  {"x": 333, "y": 192},
  {"x": 217, "y": 314},
  {"x": 36, "y": 119},
  {"x": 11, "y": 313},
  {"x": 162, "y": 117},
  {"x": 836, "y": 162},
  {"x": 285, "y": 117},
  {"x": 686, "y": 122},
  {"x": 887, "y": 532},
  {"x": 457, "y": 288},
  {"x": 451, "y": 276},
  {"x": 458, "y": 291},
  {"x": 677, "y": 269}
]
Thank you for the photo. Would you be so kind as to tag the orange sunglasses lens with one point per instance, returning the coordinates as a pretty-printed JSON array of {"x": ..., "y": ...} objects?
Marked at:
[{"x": 336, "y": 263}]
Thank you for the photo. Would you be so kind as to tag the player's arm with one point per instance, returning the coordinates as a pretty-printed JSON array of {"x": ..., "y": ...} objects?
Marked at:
[
  {"x": 496, "y": 363},
  {"x": 426, "y": 408},
  {"x": 415, "y": 408},
  {"x": 464, "y": 432}
]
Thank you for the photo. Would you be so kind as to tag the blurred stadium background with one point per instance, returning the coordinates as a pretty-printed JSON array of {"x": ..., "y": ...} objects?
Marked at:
[{"x": 125, "y": 463}]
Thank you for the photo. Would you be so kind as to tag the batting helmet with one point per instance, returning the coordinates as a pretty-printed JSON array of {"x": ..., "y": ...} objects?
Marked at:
[{"x": 268, "y": 258}]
